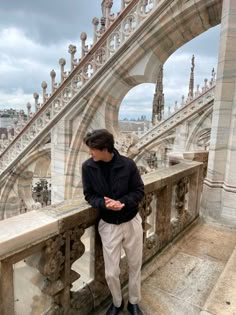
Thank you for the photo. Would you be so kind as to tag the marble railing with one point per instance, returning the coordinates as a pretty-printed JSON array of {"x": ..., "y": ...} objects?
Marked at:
[
  {"x": 74, "y": 81},
  {"x": 186, "y": 111},
  {"x": 51, "y": 259}
]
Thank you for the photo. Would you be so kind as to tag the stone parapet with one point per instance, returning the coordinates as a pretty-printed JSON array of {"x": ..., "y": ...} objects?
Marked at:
[{"x": 49, "y": 251}]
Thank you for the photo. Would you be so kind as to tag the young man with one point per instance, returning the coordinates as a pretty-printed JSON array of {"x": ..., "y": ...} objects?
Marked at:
[{"x": 112, "y": 184}]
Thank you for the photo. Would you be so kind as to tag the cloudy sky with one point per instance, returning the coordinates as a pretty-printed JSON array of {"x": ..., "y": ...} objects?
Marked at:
[{"x": 34, "y": 35}]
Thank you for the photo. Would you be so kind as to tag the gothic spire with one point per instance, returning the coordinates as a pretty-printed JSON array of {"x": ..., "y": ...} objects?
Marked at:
[
  {"x": 191, "y": 80},
  {"x": 158, "y": 99}
]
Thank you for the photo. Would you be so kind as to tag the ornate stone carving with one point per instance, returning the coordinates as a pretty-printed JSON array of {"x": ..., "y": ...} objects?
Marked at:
[
  {"x": 183, "y": 214},
  {"x": 52, "y": 259},
  {"x": 145, "y": 208},
  {"x": 77, "y": 247},
  {"x": 55, "y": 264},
  {"x": 51, "y": 265},
  {"x": 181, "y": 191}
]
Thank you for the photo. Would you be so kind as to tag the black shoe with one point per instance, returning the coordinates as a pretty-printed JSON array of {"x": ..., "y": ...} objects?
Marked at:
[
  {"x": 134, "y": 309},
  {"x": 113, "y": 310}
]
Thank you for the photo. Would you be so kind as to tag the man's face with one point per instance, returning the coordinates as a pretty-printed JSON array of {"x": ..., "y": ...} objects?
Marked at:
[{"x": 98, "y": 155}]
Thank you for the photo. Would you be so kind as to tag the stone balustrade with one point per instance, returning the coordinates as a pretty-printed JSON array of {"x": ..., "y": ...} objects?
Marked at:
[
  {"x": 51, "y": 259},
  {"x": 73, "y": 82}
]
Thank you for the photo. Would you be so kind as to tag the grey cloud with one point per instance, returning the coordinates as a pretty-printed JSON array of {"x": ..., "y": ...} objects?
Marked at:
[
  {"x": 49, "y": 21},
  {"x": 33, "y": 36},
  {"x": 46, "y": 28},
  {"x": 209, "y": 43},
  {"x": 138, "y": 102}
]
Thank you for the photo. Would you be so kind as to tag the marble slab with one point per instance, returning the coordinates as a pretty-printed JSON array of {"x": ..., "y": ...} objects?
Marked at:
[
  {"x": 222, "y": 300},
  {"x": 186, "y": 277},
  {"x": 19, "y": 232}
]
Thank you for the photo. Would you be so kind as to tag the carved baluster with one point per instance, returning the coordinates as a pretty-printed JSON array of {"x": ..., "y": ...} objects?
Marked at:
[
  {"x": 77, "y": 249},
  {"x": 145, "y": 210},
  {"x": 55, "y": 264},
  {"x": 89, "y": 292},
  {"x": 180, "y": 205},
  {"x": 182, "y": 101},
  {"x": 51, "y": 265}
]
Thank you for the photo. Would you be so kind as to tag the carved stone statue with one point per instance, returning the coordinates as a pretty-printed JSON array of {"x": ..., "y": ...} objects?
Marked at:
[{"x": 106, "y": 4}]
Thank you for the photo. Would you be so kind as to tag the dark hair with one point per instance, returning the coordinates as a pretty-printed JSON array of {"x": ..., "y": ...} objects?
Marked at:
[{"x": 100, "y": 139}]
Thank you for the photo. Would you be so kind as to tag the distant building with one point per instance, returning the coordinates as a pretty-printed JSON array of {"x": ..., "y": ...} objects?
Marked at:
[
  {"x": 9, "y": 119},
  {"x": 128, "y": 126}
]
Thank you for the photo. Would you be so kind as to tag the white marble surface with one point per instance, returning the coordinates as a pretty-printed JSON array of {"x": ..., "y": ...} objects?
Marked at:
[
  {"x": 222, "y": 299},
  {"x": 18, "y": 232},
  {"x": 220, "y": 195}
]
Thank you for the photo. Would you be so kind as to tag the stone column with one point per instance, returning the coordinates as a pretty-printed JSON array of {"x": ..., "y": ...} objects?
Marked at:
[
  {"x": 60, "y": 137},
  {"x": 219, "y": 194}
]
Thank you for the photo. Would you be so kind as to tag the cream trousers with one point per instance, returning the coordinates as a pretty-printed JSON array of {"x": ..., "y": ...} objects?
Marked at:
[{"x": 129, "y": 236}]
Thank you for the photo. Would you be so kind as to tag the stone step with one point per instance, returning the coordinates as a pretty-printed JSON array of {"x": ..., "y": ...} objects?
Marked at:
[{"x": 222, "y": 300}]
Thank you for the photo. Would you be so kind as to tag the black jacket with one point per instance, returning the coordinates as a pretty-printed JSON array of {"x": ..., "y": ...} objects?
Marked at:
[{"x": 126, "y": 186}]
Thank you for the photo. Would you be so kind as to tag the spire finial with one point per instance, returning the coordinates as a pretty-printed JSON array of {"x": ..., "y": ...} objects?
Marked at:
[
  {"x": 158, "y": 99},
  {"x": 191, "y": 81}
]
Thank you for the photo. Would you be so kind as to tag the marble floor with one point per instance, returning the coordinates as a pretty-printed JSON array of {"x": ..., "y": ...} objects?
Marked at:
[{"x": 195, "y": 275}]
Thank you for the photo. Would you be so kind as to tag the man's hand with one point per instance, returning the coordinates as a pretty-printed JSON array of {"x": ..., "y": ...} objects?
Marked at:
[{"x": 115, "y": 205}]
